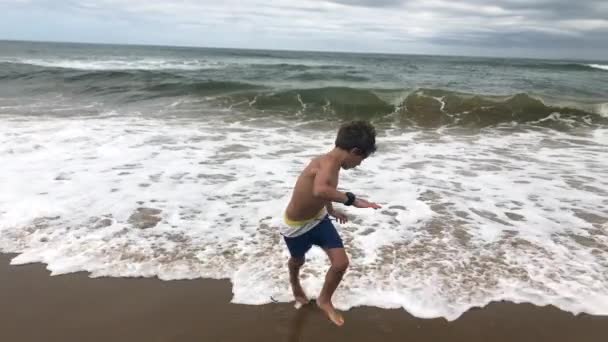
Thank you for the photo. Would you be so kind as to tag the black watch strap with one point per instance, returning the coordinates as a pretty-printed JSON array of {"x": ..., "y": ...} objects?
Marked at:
[{"x": 351, "y": 198}]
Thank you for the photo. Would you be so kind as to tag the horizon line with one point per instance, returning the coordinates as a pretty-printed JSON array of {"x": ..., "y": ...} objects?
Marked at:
[{"x": 292, "y": 50}]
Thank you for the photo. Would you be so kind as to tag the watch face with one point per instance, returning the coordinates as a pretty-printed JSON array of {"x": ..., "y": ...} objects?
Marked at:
[{"x": 351, "y": 198}]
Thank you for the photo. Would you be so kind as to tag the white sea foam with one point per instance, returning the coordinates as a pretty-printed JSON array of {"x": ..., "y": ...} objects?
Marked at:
[
  {"x": 603, "y": 109},
  {"x": 599, "y": 66},
  {"x": 467, "y": 219},
  {"x": 121, "y": 64},
  {"x": 149, "y": 63}
]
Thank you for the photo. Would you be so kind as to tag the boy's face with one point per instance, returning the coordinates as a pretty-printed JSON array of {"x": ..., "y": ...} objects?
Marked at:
[{"x": 354, "y": 159}]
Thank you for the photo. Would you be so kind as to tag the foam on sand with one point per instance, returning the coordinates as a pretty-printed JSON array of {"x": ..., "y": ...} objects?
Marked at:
[{"x": 466, "y": 219}]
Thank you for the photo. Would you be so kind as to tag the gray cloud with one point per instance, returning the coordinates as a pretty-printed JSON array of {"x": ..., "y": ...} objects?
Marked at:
[
  {"x": 536, "y": 25},
  {"x": 532, "y": 10},
  {"x": 370, "y": 3},
  {"x": 539, "y": 27}
]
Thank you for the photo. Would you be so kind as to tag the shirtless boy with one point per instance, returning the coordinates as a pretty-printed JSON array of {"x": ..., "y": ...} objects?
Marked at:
[{"x": 307, "y": 219}]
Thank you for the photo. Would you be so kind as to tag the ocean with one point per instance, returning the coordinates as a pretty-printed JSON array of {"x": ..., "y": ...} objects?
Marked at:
[{"x": 177, "y": 163}]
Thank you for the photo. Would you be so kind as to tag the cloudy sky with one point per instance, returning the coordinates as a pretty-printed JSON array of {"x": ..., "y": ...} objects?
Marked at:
[{"x": 528, "y": 28}]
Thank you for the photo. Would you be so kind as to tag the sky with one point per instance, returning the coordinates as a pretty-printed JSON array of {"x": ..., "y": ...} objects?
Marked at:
[{"x": 520, "y": 28}]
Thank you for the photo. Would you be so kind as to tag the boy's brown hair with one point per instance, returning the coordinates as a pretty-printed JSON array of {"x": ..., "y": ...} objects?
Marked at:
[{"x": 360, "y": 135}]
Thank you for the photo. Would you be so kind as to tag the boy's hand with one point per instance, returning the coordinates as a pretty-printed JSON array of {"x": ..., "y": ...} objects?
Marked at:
[
  {"x": 361, "y": 203},
  {"x": 341, "y": 217}
]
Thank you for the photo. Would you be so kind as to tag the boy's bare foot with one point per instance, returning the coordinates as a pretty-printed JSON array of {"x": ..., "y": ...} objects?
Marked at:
[
  {"x": 331, "y": 312},
  {"x": 298, "y": 294}
]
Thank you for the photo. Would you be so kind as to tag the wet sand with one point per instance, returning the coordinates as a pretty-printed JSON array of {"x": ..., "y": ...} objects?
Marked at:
[{"x": 74, "y": 307}]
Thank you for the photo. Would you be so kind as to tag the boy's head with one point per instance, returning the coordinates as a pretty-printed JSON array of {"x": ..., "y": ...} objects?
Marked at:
[{"x": 358, "y": 138}]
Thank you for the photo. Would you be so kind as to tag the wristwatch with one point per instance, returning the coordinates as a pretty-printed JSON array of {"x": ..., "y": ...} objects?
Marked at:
[{"x": 351, "y": 198}]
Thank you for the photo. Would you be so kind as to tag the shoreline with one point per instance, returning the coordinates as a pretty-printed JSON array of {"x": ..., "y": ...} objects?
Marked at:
[{"x": 74, "y": 307}]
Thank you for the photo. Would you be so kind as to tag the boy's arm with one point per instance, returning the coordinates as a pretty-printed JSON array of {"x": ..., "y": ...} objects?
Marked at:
[{"x": 326, "y": 182}]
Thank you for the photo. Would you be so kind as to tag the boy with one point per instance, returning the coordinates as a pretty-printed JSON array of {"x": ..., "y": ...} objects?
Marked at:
[{"x": 307, "y": 220}]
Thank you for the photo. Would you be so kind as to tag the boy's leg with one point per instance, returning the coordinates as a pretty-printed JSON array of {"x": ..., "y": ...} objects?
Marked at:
[
  {"x": 297, "y": 246},
  {"x": 327, "y": 237},
  {"x": 339, "y": 264},
  {"x": 294, "y": 265}
]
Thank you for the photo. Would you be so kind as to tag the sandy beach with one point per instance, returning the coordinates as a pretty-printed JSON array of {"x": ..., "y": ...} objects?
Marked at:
[{"x": 74, "y": 307}]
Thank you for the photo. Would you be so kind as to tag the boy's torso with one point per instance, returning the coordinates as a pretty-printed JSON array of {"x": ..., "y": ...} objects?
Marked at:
[{"x": 303, "y": 204}]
